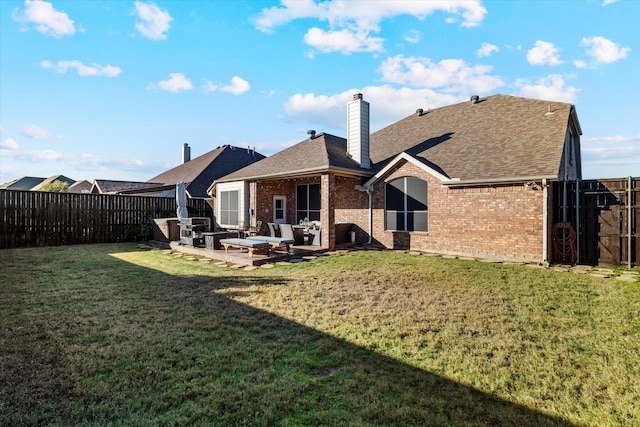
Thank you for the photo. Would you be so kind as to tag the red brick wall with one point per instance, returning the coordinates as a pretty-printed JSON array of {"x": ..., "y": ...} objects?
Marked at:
[{"x": 501, "y": 221}]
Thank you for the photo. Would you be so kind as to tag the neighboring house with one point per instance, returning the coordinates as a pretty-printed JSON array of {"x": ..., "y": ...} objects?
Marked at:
[
  {"x": 471, "y": 179},
  {"x": 31, "y": 183},
  {"x": 51, "y": 180},
  {"x": 197, "y": 174},
  {"x": 83, "y": 187},
  {"x": 25, "y": 183}
]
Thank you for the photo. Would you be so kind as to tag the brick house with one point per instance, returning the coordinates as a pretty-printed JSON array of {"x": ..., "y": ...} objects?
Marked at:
[{"x": 470, "y": 179}]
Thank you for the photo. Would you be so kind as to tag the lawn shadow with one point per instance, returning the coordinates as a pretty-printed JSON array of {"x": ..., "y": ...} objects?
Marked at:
[{"x": 183, "y": 347}]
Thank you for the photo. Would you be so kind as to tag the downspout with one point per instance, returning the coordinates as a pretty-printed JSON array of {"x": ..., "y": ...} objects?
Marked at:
[
  {"x": 545, "y": 221},
  {"x": 370, "y": 193}
]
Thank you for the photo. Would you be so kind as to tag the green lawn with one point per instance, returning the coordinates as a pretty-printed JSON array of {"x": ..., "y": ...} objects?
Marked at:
[{"x": 113, "y": 335}]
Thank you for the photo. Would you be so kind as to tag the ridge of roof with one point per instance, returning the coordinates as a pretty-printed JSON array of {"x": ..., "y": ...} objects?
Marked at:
[{"x": 321, "y": 153}]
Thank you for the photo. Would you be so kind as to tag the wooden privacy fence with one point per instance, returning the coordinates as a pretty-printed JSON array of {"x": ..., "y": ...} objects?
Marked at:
[
  {"x": 607, "y": 212},
  {"x": 34, "y": 218}
]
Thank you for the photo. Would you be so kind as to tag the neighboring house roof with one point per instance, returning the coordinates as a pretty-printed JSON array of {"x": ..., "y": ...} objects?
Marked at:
[
  {"x": 53, "y": 179},
  {"x": 200, "y": 172},
  {"x": 498, "y": 137},
  {"x": 106, "y": 186},
  {"x": 24, "y": 183},
  {"x": 322, "y": 153},
  {"x": 83, "y": 186}
]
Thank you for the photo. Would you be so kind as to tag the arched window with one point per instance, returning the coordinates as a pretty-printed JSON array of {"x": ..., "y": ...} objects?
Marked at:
[{"x": 405, "y": 205}]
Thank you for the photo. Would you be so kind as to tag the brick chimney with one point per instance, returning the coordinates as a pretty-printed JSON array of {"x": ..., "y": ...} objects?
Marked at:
[{"x": 358, "y": 131}]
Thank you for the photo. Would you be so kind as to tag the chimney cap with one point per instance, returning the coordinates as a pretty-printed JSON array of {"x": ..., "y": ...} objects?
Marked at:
[{"x": 357, "y": 96}]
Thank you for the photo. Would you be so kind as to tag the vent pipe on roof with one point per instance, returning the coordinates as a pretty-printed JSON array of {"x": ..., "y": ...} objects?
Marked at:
[
  {"x": 475, "y": 99},
  {"x": 419, "y": 112},
  {"x": 358, "y": 131},
  {"x": 311, "y": 133},
  {"x": 186, "y": 153}
]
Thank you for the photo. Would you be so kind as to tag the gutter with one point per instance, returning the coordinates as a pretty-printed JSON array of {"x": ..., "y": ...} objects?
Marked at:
[
  {"x": 309, "y": 171},
  {"x": 509, "y": 180}
]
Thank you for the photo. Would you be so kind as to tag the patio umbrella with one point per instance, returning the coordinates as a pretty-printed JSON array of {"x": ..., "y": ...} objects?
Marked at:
[{"x": 181, "y": 200}]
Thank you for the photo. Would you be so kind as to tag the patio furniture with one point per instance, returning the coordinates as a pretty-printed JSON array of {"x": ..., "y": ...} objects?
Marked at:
[
  {"x": 251, "y": 245},
  {"x": 275, "y": 242},
  {"x": 212, "y": 239},
  {"x": 315, "y": 236},
  {"x": 254, "y": 231},
  {"x": 272, "y": 229},
  {"x": 288, "y": 232}
]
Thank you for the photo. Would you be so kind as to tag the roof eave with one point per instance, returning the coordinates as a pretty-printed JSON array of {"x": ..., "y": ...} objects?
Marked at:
[{"x": 497, "y": 181}]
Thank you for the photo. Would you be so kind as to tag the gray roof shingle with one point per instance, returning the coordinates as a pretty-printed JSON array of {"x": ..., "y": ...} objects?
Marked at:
[
  {"x": 499, "y": 137},
  {"x": 322, "y": 153},
  {"x": 496, "y": 138}
]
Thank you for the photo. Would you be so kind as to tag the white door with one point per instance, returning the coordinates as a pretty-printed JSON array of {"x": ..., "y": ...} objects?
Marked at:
[{"x": 280, "y": 209}]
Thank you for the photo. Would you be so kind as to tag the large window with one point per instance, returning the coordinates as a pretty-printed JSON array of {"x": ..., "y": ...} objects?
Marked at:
[
  {"x": 406, "y": 204},
  {"x": 308, "y": 202},
  {"x": 229, "y": 208}
]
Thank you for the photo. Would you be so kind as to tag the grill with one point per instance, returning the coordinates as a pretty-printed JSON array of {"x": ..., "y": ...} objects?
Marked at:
[{"x": 192, "y": 230}]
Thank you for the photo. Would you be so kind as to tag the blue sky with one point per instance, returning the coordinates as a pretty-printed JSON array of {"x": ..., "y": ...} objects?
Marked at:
[{"x": 113, "y": 89}]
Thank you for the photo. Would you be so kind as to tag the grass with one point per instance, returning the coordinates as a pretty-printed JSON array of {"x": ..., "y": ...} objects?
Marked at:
[{"x": 110, "y": 335}]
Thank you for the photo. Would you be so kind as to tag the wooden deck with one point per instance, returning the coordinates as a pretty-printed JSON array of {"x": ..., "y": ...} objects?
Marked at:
[{"x": 241, "y": 257}]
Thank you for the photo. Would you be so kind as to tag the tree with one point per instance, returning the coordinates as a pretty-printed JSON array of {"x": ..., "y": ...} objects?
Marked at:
[{"x": 55, "y": 187}]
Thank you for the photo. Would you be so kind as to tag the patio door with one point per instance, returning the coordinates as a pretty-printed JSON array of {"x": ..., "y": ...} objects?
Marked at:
[{"x": 280, "y": 209}]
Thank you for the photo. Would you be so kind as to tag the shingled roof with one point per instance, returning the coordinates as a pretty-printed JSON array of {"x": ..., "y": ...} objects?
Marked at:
[
  {"x": 496, "y": 138},
  {"x": 322, "y": 153},
  {"x": 200, "y": 172},
  {"x": 493, "y": 138}
]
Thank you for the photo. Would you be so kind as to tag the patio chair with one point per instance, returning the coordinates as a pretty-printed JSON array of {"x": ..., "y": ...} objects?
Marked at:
[
  {"x": 315, "y": 236},
  {"x": 254, "y": 231},
  {"x": 272, "y": 229},
  {"x": 286, "y": 231}
]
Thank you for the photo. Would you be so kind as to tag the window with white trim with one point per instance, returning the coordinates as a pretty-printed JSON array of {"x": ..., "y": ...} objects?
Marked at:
[
  {"x": 308, "y": 202},
  {"x": 229, "y": 208},
  {"x": 405, "y": 204}
]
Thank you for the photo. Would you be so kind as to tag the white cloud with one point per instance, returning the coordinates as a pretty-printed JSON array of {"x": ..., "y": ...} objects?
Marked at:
[
  {"x": 36, "y": 132},
  {"x": 603, "y": 50},
  {"x": 551, "y": 88},
  {"x": 343, "y": 41},
  {"x": 153, "y": 23},
  {"x": 238, "y": 86},
  {"x": 543, "y": 53},
  {"x": 82, "y": 69},
  {"x": 90, "y": 162},
  {"x": 9, "y": 144},
  {"x": 412, "y": 36},
  {"x": 175, "y": 83},
  {"x": 579, "y": 63},
  {"x": 388, "y": 105},
  {"x": 487, "y": 49},
  {"x": 351, "y": 23},
  {"x": 208, "y": 86},
  {"x": 610, "y": 156},
  {"x": 452, "y": 75},
  {"x": 46, "y": 19},
  {"x": 608, "y": 2}
]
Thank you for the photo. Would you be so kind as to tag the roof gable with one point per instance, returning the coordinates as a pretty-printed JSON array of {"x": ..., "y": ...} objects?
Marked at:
[{"x": 314, "y": 155}]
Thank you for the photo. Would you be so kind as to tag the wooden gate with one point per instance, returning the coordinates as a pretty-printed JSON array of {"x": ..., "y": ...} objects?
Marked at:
[{"x": 608, "y": 215}]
